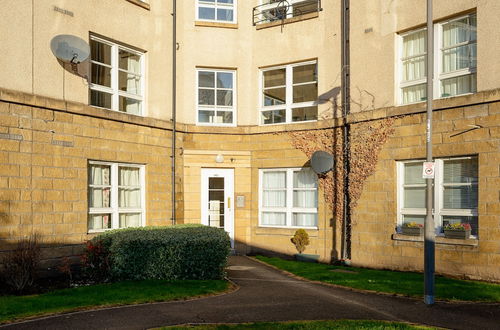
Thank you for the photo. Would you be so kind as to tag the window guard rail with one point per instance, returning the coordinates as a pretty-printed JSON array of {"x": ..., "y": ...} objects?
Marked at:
[{"x": 279, "y": 10}]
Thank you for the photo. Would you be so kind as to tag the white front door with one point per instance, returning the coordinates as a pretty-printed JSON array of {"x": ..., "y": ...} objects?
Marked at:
[{"x": 217, "y": 206}]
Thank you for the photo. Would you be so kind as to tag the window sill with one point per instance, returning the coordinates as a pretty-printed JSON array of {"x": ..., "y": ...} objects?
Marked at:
[
  {"x": 140, "y": 4},
  {"x": 287, "y": 21},
  {"x": 439, "y": 240},
  {"x": 216, "y": 24}
]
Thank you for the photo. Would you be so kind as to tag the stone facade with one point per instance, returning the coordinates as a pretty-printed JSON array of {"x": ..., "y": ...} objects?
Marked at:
[{"x": 45, "y": 147}]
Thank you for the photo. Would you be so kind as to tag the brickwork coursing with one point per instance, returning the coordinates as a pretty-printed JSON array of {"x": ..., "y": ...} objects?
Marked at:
[{"x": 44, "y": 155}]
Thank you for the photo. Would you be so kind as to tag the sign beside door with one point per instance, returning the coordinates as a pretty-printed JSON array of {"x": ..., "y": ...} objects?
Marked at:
[{"x": 217, "y": 193}]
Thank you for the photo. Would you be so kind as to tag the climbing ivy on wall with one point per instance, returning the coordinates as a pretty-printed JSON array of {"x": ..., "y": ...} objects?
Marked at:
[{"x": 366, "y": 141}]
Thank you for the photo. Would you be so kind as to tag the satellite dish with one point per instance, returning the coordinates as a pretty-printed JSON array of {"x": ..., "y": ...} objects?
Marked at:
[
  {"x": 322, "y": 162},
  {"x": 70, "y": 49}
]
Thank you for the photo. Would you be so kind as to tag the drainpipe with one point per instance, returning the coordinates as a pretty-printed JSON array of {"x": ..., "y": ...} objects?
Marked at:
[
  {"x": 346, "y": 228},
  {"x": 174, "y": 94}
]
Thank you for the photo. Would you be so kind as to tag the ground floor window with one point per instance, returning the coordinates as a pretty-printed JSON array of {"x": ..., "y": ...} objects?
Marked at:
[
  {"x": 115, "y": 195},
  {"x": 288, "y": 197},
  {"x": 455, "y": 192}
]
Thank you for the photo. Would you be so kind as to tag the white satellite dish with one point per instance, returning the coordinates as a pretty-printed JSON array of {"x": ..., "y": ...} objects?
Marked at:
[
  {"x": 70, "y": 49},
  {"x": 322, "y": 162}
]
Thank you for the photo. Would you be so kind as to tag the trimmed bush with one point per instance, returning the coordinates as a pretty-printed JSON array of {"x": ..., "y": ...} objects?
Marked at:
[{"x": 176, "y": 252}]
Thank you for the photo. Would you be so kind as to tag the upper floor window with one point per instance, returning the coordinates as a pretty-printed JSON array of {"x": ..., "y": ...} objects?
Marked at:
[
  {"x": 455, "y": 60},
  {"x": 117, "y": 77},
  {"x": 216, "y": 97},
  {"x": 455, "y": 192},
  {"x": 275, "y": 10},
  {"x": 289, "y": 93},
  {"x": 288, "y": 197},
  {"x": 216, "y": 10},
  {"x": 116, "y": 195}
]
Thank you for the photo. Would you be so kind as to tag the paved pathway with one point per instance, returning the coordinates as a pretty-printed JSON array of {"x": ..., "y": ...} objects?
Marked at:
[{"x": 267, "y": 295}]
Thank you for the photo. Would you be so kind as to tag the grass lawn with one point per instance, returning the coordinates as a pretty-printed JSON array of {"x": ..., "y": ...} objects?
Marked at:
[
  {"x": 120, "y": 293},
  {"x": 405, "y": 283},
  {"x": 308, "y": 325}
]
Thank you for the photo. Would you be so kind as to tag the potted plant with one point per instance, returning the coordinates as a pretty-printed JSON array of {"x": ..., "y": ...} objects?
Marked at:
[
  {"x": 412, "y": 229},
  {"x": 301, "y": 239},
  {"x": 457, "y": 230}
]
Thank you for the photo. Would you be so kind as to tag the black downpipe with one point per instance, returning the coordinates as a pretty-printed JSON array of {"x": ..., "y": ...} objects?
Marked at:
[
  {"x": 346, "y": 109},
  {"x": 174, "y": 94}
]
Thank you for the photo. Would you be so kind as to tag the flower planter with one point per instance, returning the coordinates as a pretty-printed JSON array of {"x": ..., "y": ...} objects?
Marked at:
[
  {"x": 413, "y": 231},
  {"x": 457, "y": 234},
  {"x": 307, "y": 257}
]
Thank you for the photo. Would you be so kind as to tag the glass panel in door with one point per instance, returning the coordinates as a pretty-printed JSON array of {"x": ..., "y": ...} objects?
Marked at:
[{"x": 216, "y": 202}]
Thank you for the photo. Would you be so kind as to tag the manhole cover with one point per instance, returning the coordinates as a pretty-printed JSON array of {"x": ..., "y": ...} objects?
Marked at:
[{"x": 239, "y": 268}]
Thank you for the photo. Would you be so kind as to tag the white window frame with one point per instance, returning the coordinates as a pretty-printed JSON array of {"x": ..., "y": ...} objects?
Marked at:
[
  {"x": 114, "y": 90},
  {"x": 215, "y": 5},
  {"x": 288, "y": 209},
  {"x": 438, "y": 211},
  {"x": 289, "y": 105},
  {"x": 216, "y": 107},
  {"x": 438, "y": 62},
  {"x": 114, "y": 208}
]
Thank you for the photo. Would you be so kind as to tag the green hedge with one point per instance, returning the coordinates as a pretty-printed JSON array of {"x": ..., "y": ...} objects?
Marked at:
[{"x": 176, "y": 252}]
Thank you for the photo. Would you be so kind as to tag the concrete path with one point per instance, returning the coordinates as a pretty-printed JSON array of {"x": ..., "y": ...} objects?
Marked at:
[{"x": 268, "y": 295}]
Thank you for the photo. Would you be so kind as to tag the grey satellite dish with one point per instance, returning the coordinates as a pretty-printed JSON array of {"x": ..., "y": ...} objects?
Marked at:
[
  {"x": 69, "y": 49},
  {"x": 322, "y": 162}
]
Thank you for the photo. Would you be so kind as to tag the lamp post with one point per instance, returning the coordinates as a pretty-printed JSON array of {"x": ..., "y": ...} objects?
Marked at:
[{"x": 430, "y": 233}]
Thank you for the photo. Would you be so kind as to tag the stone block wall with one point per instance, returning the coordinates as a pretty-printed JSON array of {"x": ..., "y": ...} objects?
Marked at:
[
  {"x": 45, "y": 147},
  {"x": 375, "y": 242}
]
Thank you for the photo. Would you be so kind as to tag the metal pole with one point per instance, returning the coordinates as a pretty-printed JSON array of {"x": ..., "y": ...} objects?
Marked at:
[
  {"x": 429, "y": 237},
  {"x": 174, "y": 92},
  {"x": 345, "y": 48}
]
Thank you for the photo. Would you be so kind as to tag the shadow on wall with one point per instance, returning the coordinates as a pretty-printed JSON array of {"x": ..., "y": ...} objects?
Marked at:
[{"x": 331, "y": 97}]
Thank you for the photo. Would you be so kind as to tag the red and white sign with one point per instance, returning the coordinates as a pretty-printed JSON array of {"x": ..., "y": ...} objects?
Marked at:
[{"x": 428, "y": 170}]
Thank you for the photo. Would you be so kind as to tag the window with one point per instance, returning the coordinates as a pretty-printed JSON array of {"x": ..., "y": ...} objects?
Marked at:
[
  {"x": 116, "y": 196},
  {"x": 117, "y": 77},
  {"x": 455, "y": 60},
  {"x": 455, "y": 192},
  {"x": 274, "y": 10},
  {"x": 288, "y": 198},
  {"x": 216, "y": 97},
  {"x": 289, "y": 93},
  {"x": 216, "y": 10}
]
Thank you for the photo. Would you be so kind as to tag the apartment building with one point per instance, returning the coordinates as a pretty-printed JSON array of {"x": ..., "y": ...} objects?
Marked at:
[{"x": 258, "y": 91}]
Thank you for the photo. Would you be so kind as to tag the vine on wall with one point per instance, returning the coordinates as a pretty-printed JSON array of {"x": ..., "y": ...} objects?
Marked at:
[{"x": 366, "y": 141}]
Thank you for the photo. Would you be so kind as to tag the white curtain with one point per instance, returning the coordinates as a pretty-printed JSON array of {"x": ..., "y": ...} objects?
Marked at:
[
  {"x": 304, "y": 189},
  {"x": 129, "y": 191},
  {"x": 455, "y": 33},
  {"x": 100, "y": 176},
  {"x": 305, "y": 219},
  {"x": 273, "y": 218},
  {"x": 414, "y": 94},
  {"x": 99, "y": 221},
  {"x": 414, "y": 61},
  {"x": 274, "y": 189},
  {"x": 458, "y": 85},
  {"x": 414, "y": 66},
  {"x": 414, "y": 197},
  {"x": 130, "y": 220}
]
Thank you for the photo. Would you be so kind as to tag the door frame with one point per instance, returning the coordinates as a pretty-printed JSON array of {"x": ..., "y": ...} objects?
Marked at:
[{"x": 228, "y": 175}]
